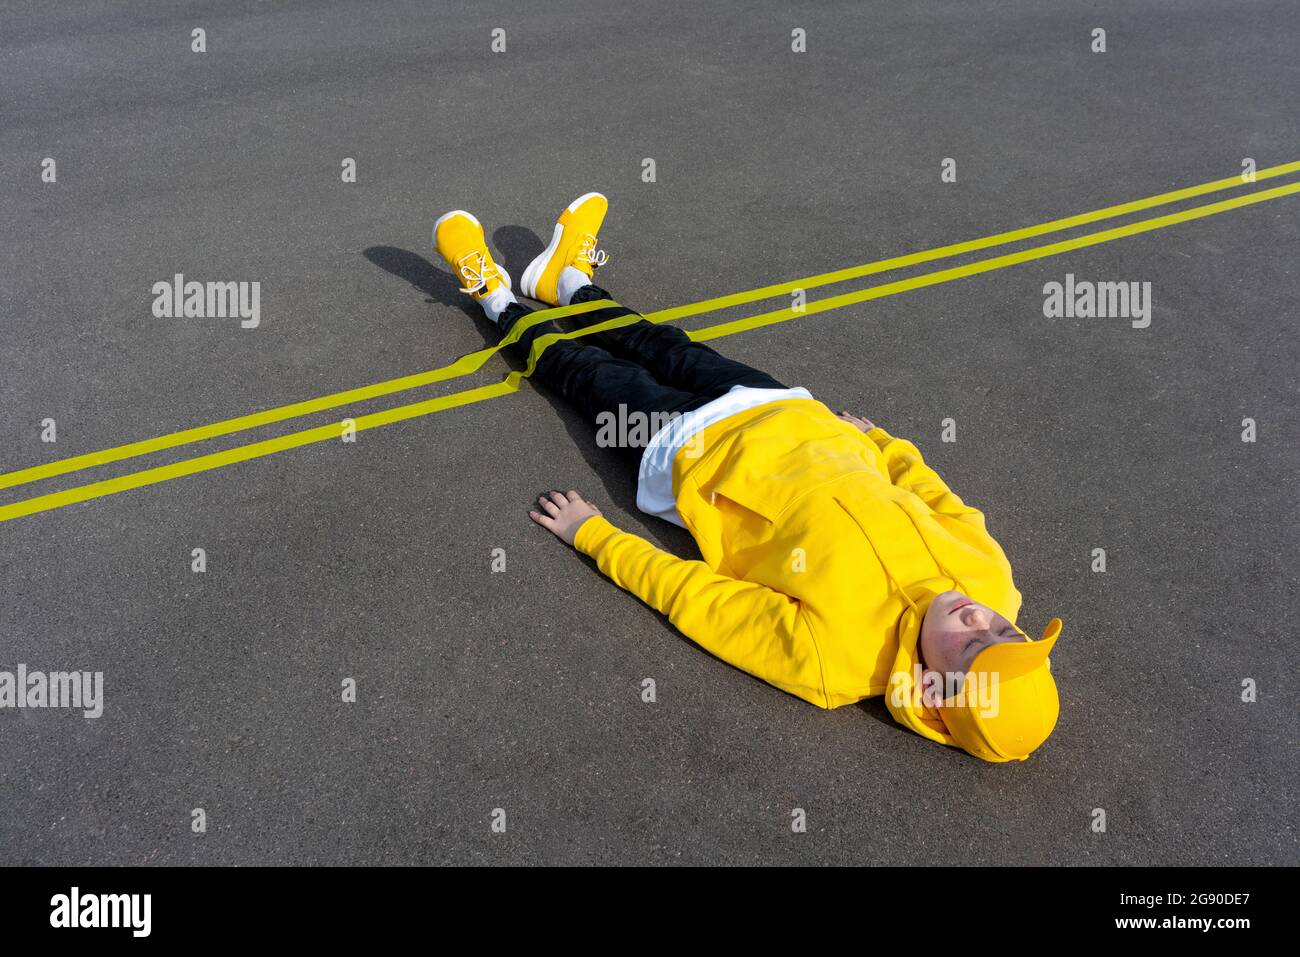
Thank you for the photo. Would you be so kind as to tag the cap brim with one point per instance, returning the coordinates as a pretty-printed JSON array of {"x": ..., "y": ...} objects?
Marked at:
[{"x": 1011, "y": 659}]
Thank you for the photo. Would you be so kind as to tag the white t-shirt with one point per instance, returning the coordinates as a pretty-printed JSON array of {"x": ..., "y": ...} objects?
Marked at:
[{"x": 654, "y": 486}]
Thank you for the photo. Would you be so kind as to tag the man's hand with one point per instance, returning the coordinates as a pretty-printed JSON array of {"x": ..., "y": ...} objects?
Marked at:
[
  {"x": 561, "y": 514},
  {"x": 866, "y": 425}
]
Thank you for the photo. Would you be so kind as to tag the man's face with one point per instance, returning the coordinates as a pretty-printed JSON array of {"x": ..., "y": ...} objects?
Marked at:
[{"x": 956, "y": 629}]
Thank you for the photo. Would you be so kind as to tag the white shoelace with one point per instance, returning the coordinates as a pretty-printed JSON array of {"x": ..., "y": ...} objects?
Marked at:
[
  {"x": 588, "y": 253},
  {"x": 474, "y": 269}
]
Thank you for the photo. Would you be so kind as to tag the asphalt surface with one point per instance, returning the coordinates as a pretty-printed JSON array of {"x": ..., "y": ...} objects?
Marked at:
[{"x": 521, "y": 689}]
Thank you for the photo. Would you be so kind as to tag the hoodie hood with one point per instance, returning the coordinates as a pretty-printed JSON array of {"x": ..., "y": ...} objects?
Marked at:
[{"x": 903, "y": 698}]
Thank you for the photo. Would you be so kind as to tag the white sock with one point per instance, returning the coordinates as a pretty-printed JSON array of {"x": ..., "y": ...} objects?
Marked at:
[
  {"x": 496, "y": 302},
  {"x": 571, "y": 280}
]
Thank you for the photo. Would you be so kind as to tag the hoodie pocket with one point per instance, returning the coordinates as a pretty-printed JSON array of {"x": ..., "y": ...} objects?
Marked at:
[{"x": 758, "y": 497}]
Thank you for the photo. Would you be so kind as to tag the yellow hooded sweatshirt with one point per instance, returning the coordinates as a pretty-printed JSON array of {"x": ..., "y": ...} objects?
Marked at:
[{"x": 822, "y": 549}]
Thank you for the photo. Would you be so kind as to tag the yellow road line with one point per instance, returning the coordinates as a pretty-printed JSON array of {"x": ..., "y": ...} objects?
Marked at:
[
  {"x": 973, "y": 245},
  {"x": 511, "y": 383},
  {"x": 987, "y": 265},
  {"x": 467, "y": 365},
  {"x": 463, "y": 366}
]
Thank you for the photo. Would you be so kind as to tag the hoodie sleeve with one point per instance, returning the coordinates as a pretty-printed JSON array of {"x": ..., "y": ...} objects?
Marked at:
[
  {"x": 750, "y": 626},
  {"x": 908, "y": 470}
]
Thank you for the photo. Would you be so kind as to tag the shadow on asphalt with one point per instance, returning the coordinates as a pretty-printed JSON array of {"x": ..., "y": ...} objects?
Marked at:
[{"x": 437, "y": 285}]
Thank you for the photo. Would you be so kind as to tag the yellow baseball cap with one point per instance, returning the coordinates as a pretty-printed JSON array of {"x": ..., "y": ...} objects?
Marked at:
[{"x": 1007, "y": 705}]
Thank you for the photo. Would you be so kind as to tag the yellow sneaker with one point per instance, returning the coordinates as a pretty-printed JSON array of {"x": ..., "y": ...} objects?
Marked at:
[
  {"x": 573, "y": 244},
  {"x": 459, "y": 239}
]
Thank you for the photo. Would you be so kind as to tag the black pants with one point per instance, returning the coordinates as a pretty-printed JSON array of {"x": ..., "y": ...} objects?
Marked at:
[{"x": 645, "y": 367}]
